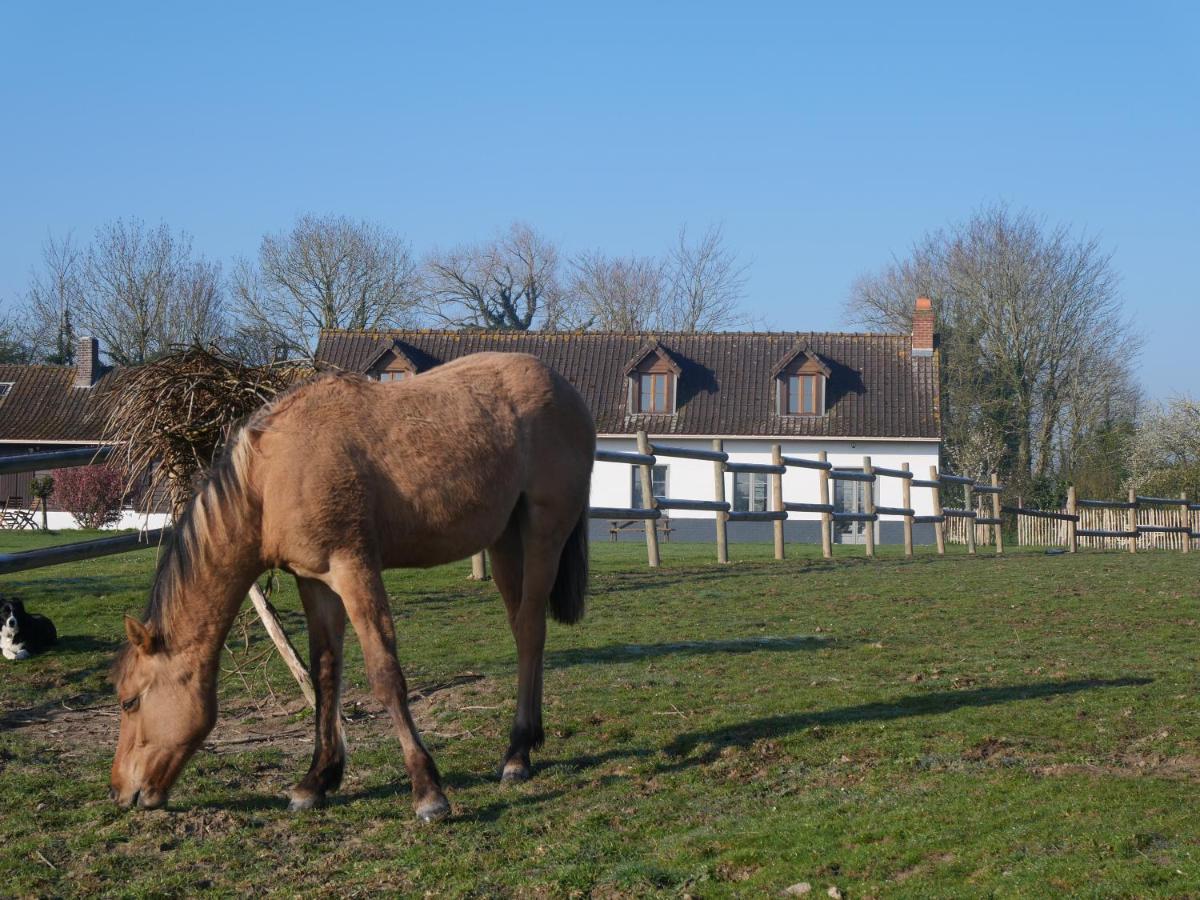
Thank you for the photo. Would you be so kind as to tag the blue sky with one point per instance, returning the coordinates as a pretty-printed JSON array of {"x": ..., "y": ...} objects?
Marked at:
[{"x": 825, "y": 140}]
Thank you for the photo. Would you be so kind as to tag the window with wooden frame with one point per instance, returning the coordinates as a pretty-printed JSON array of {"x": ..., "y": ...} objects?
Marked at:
[
  {"x": 394, "y": 374},
  {"x": 654, "y": 391},
  {"x": 803, "y": 395},
  {"x": 800, "y": 380}
]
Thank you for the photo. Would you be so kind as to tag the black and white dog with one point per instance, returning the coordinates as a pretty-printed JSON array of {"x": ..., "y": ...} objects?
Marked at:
[{"x": 22, "y": 634}]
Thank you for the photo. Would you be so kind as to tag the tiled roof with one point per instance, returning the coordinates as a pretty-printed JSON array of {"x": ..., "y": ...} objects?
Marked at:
[
  {"x": 876, "y": 388},
  {"x": 43, "y": 404}
]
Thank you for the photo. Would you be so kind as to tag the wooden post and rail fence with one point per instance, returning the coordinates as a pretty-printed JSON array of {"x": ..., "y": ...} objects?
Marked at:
[{"x": 1137, "y": 522}]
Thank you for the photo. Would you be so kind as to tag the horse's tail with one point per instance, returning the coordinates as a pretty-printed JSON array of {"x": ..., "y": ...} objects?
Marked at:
[{"x": 570, "y": 585}]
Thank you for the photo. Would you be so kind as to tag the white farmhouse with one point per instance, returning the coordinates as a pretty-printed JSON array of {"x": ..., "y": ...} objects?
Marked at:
[{"x": 850, "y": 395}]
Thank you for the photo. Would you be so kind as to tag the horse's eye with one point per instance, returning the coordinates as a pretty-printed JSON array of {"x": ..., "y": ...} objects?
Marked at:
[{"x": 132, "y": 703}]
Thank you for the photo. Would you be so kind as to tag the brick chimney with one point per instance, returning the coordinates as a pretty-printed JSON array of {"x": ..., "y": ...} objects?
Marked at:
[
  {"x": 87, "y": 362},
  {"x": 922, "y": 328}
]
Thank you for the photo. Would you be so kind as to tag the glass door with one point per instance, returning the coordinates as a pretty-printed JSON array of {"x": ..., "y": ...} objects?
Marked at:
[{"x": 850, "y": 497}]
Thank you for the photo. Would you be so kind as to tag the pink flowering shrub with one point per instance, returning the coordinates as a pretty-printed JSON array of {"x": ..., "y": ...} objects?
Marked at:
[{"x": 92, "y": 494}]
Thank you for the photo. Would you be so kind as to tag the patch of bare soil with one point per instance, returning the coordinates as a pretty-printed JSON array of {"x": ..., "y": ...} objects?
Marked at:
[
  {"x": 1131, "y": 765},
  {"x": 243, "y": 725},
  {"x": 924, "y": 867}
]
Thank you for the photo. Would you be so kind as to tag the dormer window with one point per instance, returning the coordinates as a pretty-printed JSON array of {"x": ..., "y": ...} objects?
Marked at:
[
  {"x": 391, "y": 363},
  {"x": 800, "y": 383},
  {"x": 653, "y": 379}
]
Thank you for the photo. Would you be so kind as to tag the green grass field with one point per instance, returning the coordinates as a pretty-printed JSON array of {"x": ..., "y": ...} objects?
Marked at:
[{"x": 1028, "y": 726}]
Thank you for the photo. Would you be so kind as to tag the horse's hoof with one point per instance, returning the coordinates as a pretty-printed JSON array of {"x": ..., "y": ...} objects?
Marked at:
[
  {"x": 299, "y": 800},
  {"x": 514, "y": 772},
  {"x": 433, "y": 810}
]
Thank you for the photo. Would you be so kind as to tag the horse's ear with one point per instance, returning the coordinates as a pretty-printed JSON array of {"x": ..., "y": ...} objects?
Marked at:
[{"x": 139, "y": 635}]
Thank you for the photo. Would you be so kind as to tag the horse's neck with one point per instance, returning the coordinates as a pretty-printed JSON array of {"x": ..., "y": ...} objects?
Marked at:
[{"x": 212, "y": 593}]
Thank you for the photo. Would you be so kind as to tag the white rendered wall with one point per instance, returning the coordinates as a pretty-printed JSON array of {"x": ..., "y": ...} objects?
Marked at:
[
  {"x": 612, "y": 483},
  {"x": 60, "y": 521}
]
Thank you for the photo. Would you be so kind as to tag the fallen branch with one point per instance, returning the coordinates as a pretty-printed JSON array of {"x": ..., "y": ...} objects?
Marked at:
[{"x": 291, "y": 658}]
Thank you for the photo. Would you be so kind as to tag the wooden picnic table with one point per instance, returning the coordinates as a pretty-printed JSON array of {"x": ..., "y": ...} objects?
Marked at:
[{"x": 616, "y": 526}]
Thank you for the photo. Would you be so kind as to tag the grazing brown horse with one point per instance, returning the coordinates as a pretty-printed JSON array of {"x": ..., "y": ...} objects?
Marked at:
[{"x": 334, "y": 482}]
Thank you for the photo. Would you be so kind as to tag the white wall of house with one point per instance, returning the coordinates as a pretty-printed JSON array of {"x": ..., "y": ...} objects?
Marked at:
[
  {"x": 612, "y": 483},
  {"x": 59, "y": 521}
]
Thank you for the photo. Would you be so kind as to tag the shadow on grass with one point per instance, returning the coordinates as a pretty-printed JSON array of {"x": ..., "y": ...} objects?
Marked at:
[
  {"x": 685, "y": 576},
  {"x": 617, "y": 653},
  {"x": 397, "y": 792},
  {"x": 743, "y": 734},
  {"x": 79, "y": 643}
]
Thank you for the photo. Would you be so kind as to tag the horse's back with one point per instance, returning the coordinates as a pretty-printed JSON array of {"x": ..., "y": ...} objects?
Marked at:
[{"x": 420, "y": 471}]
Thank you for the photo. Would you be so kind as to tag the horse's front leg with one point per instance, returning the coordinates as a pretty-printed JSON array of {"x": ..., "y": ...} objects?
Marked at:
[
  {"x": 326, "y": 632},
  {"x": 365, "y": 600}
]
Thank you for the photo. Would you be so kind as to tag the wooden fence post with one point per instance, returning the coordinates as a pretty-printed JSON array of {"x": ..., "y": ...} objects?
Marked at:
[
  {"x": 869, "y": 508},
  {"x": 906, "y": 502},
  {"x": 1187, "y": 523},
  {"x": 1131, "y": 520},
  {"x": 646, "y": 474},
  {"x": 969, "y": 506},
  {"x": 997, "y": 536},
  {"x": 722, "y": 518},
  {"x": 1072, "y": 526},
  {"x": 777, "y": 498},
  {"x": 826, "y": 518},
  {"x": 939, "y": 528},
  {"x": 479, "y": 566}
]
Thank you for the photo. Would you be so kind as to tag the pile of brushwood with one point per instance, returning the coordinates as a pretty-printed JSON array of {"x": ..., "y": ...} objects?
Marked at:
[{"x": 170, "y": 418}]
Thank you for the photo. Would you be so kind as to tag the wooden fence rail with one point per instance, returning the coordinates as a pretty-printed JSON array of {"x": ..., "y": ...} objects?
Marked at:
[
  {"x": 1138, "y": 521},
  {"x": 648, "y": 455},
  {"x": 1168, "y": 523}
]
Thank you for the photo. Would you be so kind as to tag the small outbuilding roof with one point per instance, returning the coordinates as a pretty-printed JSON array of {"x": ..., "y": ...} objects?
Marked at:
[{"x": 43, "y": 404}]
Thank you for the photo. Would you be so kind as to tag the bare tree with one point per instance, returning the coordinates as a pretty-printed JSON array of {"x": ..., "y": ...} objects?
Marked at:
[
  {"x": 618, "y": 293},
  {"x": 144, "y": 293},
  {"x": 1033, "y": 338},
  {"x": 327, "y": 272},
  {"x": 510, "y": 282},
  {"x": 52, "y": 301},
  {"x": 196, "y": 314},
  {"x": 254, "y": 345},
  {"x": 706, "y": 283}
]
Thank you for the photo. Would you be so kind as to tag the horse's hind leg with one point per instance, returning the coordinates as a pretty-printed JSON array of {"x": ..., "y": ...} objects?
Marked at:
[
  {"x": 362, "y": 593},
  {"x": 326, "y": 631},
  {"x": 507, "y": 571},
  {"x": 540, "y": 550}
]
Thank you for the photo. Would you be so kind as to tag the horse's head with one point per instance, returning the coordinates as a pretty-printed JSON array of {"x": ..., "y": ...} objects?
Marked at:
[{"x": 166, "y": 712}]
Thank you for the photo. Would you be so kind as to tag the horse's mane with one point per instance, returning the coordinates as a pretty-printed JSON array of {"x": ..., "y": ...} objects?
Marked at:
[{"x": 223, "y": 497}]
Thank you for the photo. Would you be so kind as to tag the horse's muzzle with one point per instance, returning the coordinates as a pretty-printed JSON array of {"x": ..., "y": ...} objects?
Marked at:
[{"x": 140, "y": 798}]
